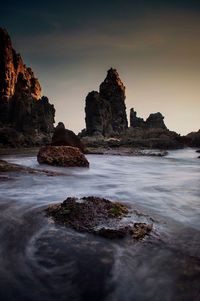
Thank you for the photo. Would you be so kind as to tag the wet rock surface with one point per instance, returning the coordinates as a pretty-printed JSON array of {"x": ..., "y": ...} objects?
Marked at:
[
  {"x": 65, "y": 156},
  {"x": 11, "y": 167},
  {"x": 98, "y": 216}
]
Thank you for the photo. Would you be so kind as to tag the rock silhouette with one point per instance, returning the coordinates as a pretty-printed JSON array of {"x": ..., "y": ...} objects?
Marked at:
[
  {"x": 65, "y": 137},
  {"x": 105, "y": 110},
  {"x": 154, "y": 121}
]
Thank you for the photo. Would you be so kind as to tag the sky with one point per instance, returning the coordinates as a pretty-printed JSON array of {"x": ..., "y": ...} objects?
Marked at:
[{"x": 154, "y": 45}]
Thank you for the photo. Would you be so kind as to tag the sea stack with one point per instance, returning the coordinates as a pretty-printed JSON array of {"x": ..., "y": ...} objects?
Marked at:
[
  {"x": 26, "y": 118},
  {"x": 105, "y": 110}
]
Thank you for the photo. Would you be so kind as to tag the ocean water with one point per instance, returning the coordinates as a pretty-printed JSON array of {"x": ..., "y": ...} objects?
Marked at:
[{"x": 43, "y": 261}]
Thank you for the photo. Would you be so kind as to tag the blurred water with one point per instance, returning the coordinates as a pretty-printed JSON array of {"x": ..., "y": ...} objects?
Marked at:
[{"x": 42, "y": 261}]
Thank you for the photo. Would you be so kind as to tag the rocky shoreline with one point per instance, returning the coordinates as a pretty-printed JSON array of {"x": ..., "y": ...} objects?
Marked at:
[{"x": 6, "y": 167}]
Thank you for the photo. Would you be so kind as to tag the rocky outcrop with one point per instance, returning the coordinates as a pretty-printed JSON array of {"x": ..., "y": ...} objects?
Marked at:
[
  {"x": 65, "y": 137},
  {"x": 105, "y": 110},
  {"x": 99, "y": 216},
  {"x": 21, "y": 106},
  {"x": 192, "y": 139},
  {"x": 154, "y": 121},
  {"x": 65, "y": 156},
  {"x": 7, "y": 167}
]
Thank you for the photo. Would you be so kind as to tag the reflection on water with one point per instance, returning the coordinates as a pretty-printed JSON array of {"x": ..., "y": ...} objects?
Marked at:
[{"x": 42, "y": 261}]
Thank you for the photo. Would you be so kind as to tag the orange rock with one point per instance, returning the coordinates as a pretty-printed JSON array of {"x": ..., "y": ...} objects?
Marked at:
[{"x": 66, "y": 156}]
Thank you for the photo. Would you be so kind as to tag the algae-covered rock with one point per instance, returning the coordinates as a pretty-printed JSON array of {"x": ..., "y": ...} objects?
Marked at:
[{"x": 98, "y": 216}]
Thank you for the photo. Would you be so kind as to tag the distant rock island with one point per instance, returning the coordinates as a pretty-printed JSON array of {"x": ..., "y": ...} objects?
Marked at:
[
  {"x": 26, "y": 118},
  {"x": 107, "y": 124}
]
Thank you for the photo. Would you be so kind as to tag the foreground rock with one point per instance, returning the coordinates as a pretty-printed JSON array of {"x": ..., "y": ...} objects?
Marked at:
[
  {"x": 65, "y": 156},
  {"x": 22, "y": 108},
  {"x": 98, "y": 216},
  {"x": 64, "y": 137}
]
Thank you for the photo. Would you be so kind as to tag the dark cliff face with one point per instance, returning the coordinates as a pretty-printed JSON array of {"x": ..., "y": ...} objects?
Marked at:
[
  {"x": 105, "y": 110},
  {"x": 154, "y": 121},
  {"x": 21, "y": 106}
]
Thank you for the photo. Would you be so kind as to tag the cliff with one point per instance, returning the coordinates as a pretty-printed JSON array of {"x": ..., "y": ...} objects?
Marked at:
[{"x": 25, "y": 116}]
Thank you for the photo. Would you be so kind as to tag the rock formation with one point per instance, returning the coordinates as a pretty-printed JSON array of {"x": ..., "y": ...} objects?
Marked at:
[
  {"x": 105, "y": 110},
  {"x": 65, "y": 137},
  {"x": 154, "y": 121},
  {"x": 21, "y": 106}
]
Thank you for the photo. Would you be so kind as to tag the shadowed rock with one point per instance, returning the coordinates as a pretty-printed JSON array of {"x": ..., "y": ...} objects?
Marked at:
[
  {"x": 192, "y": 139},
  {"x": 64, "y": 137},
  {"x": 154, "y": 121},
  {"x": 136, "y": 122}
]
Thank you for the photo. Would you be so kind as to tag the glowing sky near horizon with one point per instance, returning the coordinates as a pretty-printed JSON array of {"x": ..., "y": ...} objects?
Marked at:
[{"x": 154, "y": 45}]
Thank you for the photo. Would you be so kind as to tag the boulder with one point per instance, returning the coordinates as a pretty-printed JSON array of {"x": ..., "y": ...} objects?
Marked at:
[
  {"x": 66, "y": 156},
  {"x": 64, "y": 137}
]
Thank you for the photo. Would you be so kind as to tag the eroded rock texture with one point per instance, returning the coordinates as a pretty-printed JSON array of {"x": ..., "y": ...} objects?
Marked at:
[
  {"x": 105, "y": 110},
  {"x": 21, "y": 106}
]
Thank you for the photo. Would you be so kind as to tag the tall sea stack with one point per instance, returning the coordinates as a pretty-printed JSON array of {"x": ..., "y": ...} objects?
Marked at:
[
  {"x": 25, "y": 116},
  {"x": 105, "y": 110}
]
